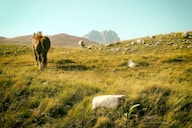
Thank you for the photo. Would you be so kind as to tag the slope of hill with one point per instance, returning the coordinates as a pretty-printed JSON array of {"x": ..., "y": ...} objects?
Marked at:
[
  {"x": 2, "y": 38},
  {"x": 68, "y": 40},
  {"x": 57, "y": 40},
  {"x": 18, "y": 40},
  {"x": 158, "y": 89}
]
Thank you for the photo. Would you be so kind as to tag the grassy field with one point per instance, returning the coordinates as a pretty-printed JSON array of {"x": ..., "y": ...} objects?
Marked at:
[{"x": 60, "y": 96}]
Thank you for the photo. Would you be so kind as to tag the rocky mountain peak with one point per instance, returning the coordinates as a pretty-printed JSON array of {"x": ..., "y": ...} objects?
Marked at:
[{"x": 106, "y": 36}]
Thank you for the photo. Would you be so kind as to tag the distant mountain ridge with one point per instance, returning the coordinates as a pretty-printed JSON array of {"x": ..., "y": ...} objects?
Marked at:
[
  {"x": 106, "y": 36},
  {"x": 57, "y": 40}
]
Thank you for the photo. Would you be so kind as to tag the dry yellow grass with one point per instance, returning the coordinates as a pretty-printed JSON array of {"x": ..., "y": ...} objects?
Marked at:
[{"x": 60, "y": 95}]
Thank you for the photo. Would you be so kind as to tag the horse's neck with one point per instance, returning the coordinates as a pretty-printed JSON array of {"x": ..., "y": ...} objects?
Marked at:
[{"x": 38, "y": 38}]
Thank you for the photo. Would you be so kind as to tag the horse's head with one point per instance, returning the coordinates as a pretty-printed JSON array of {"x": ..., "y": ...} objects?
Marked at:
[{"x": 37, "y": 36}]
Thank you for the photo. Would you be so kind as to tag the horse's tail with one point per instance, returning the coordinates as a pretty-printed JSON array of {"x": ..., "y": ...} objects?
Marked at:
[{"x": 42, "y": 46}]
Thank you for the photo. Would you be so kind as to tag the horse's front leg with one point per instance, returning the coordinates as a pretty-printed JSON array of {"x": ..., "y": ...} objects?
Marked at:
[
  {"x": 36, "y": 59},
  {"x": 35, "y": 54}
]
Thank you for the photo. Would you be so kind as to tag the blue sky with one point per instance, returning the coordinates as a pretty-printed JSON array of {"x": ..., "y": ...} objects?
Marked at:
[{"x": 128, "y": 18}]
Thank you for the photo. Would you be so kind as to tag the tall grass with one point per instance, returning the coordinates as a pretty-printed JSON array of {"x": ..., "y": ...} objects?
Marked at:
[{"x": 60, "y": 95}]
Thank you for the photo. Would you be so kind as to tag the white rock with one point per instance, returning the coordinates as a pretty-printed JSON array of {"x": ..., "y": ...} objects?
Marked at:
[
  {"x": 133, "y": 43},
  {"x": 170, "y": 43},
  {"x": 131, "y": 64},
  {"x": 81, "y": 43},
  {"x": 107, "y": 101},
  {"x": 139, "y": 41},
  {"x": 90, "y": 46},
  {"x": 185, "y": 34},
  {"x": 152, "y": 36},
  {"x": 115, "y": 49}
]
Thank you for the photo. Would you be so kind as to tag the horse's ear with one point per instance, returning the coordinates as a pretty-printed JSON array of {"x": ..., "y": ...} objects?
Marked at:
[{"x": 33, "y": 34}]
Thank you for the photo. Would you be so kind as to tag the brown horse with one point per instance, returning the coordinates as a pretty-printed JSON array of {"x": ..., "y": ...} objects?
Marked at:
[{"x": 40, "y": 46}]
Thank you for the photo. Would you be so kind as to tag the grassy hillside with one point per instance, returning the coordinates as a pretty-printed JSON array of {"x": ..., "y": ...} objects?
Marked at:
[{"x": 61, "y": 94}]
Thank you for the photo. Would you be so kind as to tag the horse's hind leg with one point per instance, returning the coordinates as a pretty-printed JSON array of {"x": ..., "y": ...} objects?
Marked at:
[
  {"x": 41, "y": 65},
  {"x": 45, "y": 59}
]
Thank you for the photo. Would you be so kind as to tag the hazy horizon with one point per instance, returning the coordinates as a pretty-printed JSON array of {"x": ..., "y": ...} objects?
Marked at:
[{"x": 128, "y": 18}]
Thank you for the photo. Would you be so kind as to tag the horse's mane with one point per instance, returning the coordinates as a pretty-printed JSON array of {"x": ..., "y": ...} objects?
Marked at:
[{"x": 38, "y": 36}]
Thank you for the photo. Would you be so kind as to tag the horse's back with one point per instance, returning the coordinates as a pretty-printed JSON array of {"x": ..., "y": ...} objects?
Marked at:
[{"x": 46, "y": 43}]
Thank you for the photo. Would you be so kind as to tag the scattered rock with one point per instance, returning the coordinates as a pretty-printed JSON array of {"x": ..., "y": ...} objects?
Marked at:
[
  {"x": 90, "y": 46},
  {"x": 81, "y": 43},
  {"x": 115, "y": 49},
  {"x": 131, "y": 64},
  {"x": 170, "y": 43},
  {"x": 107, "y": 101}
]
